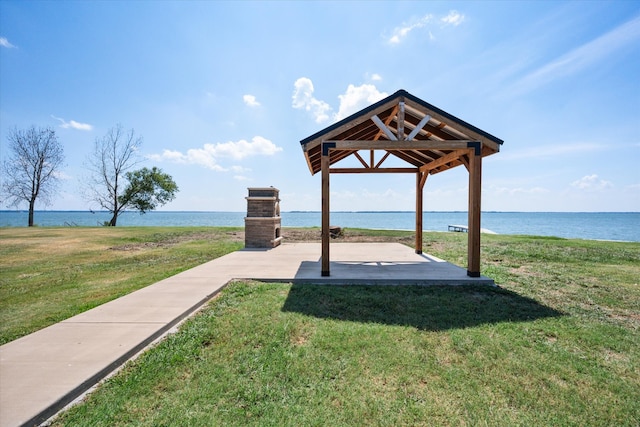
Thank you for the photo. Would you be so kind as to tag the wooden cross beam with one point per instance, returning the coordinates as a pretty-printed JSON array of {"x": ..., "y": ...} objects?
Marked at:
[{"x": 399, "y": 136}]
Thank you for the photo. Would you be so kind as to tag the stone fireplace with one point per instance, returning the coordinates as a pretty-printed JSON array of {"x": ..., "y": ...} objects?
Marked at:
[{"x": 262, "y": 223}]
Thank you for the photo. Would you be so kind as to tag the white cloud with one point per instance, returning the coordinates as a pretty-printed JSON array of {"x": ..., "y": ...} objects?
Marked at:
[
  {"x": 61, "y": 175},
  {"x": 376, "y": 77},
  {"x": 209, "y": 154},
  {"x": 250, "y": 100},
  {"x": 240, "y": 169},
  {"x": 238, "y": 150},
  {"x": 303, "y": 99},
  {"x": 353, "y": 100},
  {"x": 399, "y": 33},
  {"x": 72, "y": 124},
  {"x": 194, "y": 156},
  {"x": 453, "y": 18},
  {"x": 356, "y": 98},
  {"x": 512, "y": 191},
  {"x": 591, "y": 183},
  {"x": 5, "y": 43},
  {"x": 174, "y": 156},
  {"x": 80, "y": 126},
  {"x": 582, "y": 56}
]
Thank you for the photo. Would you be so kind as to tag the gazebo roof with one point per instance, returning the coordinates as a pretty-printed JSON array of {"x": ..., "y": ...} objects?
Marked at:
[{"x": 426, "y": 137}]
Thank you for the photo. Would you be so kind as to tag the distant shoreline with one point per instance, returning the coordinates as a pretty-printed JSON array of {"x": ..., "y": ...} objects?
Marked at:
[
  {"x": 313, "y": 212},
  {"x": 612, "y": 226}
]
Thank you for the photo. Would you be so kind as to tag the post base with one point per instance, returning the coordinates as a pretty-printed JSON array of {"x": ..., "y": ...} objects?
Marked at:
[
  {"x": 325, "y": 274},
  {"x": 473, "y": 273}
]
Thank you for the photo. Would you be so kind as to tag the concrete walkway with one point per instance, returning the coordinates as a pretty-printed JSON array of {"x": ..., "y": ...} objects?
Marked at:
[{"x": 42, "y": 372}]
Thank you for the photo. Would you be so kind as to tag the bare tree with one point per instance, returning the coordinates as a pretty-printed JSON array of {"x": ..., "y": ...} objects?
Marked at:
[
  {"x": 113, "y": 155},
  {"x": 29, "y": 171}
]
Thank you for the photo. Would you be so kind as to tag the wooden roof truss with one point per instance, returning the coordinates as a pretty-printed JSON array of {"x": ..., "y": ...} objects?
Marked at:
[{"x": 405, "y": 127}]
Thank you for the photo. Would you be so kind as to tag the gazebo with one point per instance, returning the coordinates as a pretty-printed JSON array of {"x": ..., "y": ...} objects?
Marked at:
[{"x": 425, "y": 137}]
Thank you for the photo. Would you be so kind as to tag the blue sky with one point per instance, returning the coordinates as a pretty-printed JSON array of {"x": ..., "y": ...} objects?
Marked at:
[{"x": 222, "y": 93}]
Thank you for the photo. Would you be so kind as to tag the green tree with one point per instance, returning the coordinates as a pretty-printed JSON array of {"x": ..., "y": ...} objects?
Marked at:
[
  {"x": 147, "y": 189},
  {"x": 30, "y": 170}
]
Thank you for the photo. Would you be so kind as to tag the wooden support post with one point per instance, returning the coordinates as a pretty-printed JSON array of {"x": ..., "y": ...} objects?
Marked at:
[
  {"x": 400, "y": 120},
  {"x": 325, "y": 164},
  {"x": 418, "y": 214},
  {"x": 475, "y": 191},
  {"x": 421, "y": 178}
]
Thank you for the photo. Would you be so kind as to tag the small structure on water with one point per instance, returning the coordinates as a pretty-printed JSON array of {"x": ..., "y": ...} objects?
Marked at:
[
  {"x": 262, "y": 225},
  {"x": 465, "y": 229}
]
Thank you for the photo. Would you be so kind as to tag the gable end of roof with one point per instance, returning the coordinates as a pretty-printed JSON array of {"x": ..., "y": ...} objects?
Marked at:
[{"x": 399, "y": 94}]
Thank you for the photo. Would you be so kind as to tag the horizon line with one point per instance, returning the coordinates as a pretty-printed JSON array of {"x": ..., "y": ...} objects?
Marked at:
[{"x": 309, "y": 211}]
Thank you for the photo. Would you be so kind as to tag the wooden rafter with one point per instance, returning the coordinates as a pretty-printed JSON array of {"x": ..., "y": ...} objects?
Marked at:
[
  {"x": 409, "y": 157},
  {"x": 444, "y": 160}
]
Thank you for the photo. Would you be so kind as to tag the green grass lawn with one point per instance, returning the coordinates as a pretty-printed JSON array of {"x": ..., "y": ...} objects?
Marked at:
[
  {"x": 556, "y": 343},
  {"x": 50, "y": 274},
  {"x": 272, "y": 354}
]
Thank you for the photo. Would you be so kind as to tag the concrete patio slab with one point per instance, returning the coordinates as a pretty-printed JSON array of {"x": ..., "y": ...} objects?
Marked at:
[
  {"x": 351, "y": 263},
  {"x": 42, "y": 372}
]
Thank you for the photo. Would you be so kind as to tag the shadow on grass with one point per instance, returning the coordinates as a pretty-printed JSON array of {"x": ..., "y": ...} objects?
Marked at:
[{"x": 431, "y": 308}]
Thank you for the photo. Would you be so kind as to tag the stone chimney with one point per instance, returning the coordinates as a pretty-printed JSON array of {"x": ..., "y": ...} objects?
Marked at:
[{"x": 263, "y": 223}]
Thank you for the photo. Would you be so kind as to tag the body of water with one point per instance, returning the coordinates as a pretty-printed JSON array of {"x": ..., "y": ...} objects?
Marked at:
[{"x": 580, "y": 225}]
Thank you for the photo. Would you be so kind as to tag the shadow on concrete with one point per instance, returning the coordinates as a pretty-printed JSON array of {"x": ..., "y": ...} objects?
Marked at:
[
  {"x": 430, "y": 308},
  {"x": 381, "y": 272}
]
